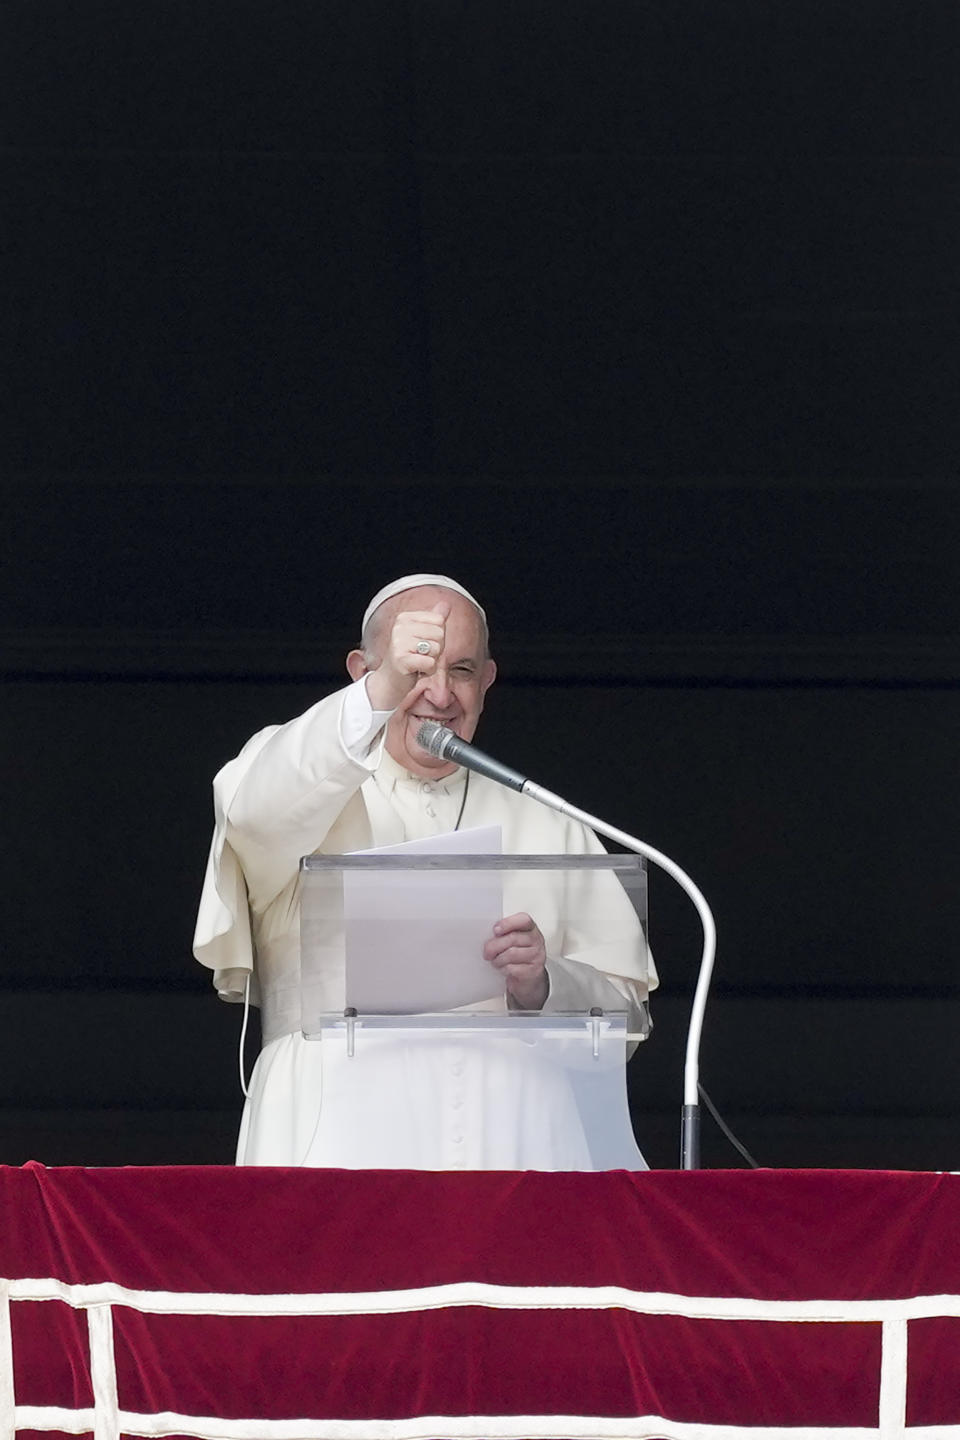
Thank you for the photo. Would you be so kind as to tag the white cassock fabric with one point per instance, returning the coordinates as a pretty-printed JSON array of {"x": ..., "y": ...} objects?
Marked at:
[{"x": 323, "y": 784}]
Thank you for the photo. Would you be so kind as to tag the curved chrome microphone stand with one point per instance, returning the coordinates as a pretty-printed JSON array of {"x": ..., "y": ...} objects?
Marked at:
[{"x": 445, "y": 745}]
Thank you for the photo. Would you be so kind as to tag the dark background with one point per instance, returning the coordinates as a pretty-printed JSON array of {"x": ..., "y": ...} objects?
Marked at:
[{"x": 639, "y": 318}]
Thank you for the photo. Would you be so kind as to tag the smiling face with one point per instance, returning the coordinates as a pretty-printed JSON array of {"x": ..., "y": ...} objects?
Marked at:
[{"x": 453, "y": 694}]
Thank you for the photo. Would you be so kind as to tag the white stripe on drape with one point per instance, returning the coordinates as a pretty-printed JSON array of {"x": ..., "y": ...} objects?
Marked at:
[
  {"x": 455, "y": 1427},
  {"x": 103, "y": 1373},
  {"x": 7, "y": 1397},
  {"x": 893, "y": 1380},
  {"x": 107, "y": 1422},
  {"x": 505, "y": 1297}
]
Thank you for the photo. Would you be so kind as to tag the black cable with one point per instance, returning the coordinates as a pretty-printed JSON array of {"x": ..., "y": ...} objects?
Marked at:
[{"x": 755, "y": 1164}]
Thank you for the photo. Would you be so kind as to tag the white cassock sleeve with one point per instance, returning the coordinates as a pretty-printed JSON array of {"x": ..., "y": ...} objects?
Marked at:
[
  {"x": 273, "y": 804},
  {"x": 577, "y": 986}
]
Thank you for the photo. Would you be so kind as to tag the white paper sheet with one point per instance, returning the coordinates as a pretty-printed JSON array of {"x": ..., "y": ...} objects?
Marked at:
[{"x": 414, "y": 940}]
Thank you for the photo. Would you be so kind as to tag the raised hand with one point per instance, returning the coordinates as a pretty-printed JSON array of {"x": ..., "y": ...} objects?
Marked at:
[{"x": 411, "y": 653}]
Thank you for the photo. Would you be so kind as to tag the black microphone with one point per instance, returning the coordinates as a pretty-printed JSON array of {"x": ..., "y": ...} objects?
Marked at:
[{"x": 442, "y": 743}]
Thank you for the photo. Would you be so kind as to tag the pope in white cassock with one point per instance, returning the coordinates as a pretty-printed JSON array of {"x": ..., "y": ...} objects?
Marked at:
[{"x": 349, "y": 775}]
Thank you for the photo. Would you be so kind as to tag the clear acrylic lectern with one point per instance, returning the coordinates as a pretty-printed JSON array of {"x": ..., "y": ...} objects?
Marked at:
[{"x": 423, "y": 1064}]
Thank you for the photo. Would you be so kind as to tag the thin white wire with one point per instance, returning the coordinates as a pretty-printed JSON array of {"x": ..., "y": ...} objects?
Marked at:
[
  {"x": 313, "y": 1136},
  {"x": 243, "y": 1034},
  {"x": 243, "y": 1078}
]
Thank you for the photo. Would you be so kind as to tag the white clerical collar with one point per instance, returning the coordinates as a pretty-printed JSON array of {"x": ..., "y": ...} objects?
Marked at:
[{"x": 391, "y": 773}]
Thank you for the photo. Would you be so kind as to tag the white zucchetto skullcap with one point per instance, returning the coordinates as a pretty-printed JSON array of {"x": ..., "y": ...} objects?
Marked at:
[{"x": 414, "y": 582}]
